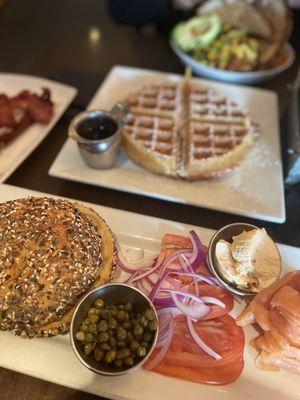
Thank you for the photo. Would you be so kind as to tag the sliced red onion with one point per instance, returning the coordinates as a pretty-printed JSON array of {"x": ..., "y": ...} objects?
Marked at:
[
  {"x": 200, "y": 342},
  {"x": 152, "y": 269},
  {"x": 198, "y": 252},
  {"x": 213, "y": 300},
  {"x": 137, "y": 273},
  {"x": 193, "y": 310},
  {"x": 146, "y": 286},
  {"x": 184, "y": 294},
  {"x": 185, "y": 261},
  {"x": 157, "y": 285},
  {"x": 131, "y": 268},
  {"x": 160, "y": 281},
  {"x": 164, "y": 302},
  {"x": 171, "y": 258},
  {"x": 199, "y": 277},
  {"x": 164, "y": 349}
]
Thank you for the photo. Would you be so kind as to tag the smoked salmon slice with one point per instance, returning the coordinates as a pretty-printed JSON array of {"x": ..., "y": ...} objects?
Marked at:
[
  {"x": 277, "y": 311},
  {"x": 258, "y": 309}
]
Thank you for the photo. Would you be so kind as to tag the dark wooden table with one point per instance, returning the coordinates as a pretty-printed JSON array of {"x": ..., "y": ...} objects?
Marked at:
[{"x": 52, "y": 38}]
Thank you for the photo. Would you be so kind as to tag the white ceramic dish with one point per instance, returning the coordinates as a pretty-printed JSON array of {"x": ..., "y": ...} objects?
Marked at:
[
  {"x": 17, "y": 151},
  {"x": 53, "y": 359},
  {"x": 248, "y": 78},
  {"x": 254, "y": 189}
]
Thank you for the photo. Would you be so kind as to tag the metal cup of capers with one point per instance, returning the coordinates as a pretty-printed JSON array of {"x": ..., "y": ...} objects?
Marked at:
[{"x": 115, "y": 337}]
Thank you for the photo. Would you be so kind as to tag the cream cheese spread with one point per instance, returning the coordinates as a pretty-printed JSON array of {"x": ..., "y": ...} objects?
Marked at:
[{"x": 251, "y": 262}]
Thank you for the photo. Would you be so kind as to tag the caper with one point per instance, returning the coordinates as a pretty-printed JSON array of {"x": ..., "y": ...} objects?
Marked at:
[
  {"x": 121, "y": 344},
  {"x": 98, "y": 354},
  {"x": 121, "y": 333},
  {"x": 121, "y": 306},
  {"x": 84, "y": 328},
  {"x": 148, "y": 337},
  {"x": 112, "y": 323},
  {"x": 88, "y": 348},
  {"x": 152, "y": 326},
  {"x": 128, "y": 361},
  {"x": 144, "y": 344},
  {"x": 110, "y": 356},
  {"x": 103, "y": 337},
  {"x": 89, "y": 337},
  {"x": 118, "y": 363},
  {"x": 144, "y": 321},
  {"x": 114, "y": 313},
  {"x": 138, "y": 330},
  {"x": 112, "y": 342},
  {"x": 134, "y": 345},
  {"x": 141, "y": 351},
  {"x": 86, "y": 322},
  {"x": 94, "y": 318},
  {"x": 104, "y": 346},
  {"x": 80, "y": 336},
  {"x": 92, "y": 311},
  {"x": 92, "y": 328},
  {"x": 127, "y": 316},
  {"x": 99, "y": 303},
  {"x": 121, "y": 316},
  {"x": 126, "y": 325},
  {"x": 123, "y": 353},
  {"x": 149, "y": 314},
  {"x": 102, "y": 326},
  {"x": 105, "y": 314},
  {"x": 130, "y": 337},
  {"x": 128, "y": 307}
]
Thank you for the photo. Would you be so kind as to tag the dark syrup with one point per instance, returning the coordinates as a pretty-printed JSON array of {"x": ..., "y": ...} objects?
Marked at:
[{"x": 97, "y": 128}]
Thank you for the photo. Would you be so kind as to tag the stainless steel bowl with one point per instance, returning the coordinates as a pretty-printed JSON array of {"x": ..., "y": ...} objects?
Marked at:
[
  {"x": 112, "y": 293},
  {"x": 100, "y": 154},
  {"x": 226, "y": 233}
]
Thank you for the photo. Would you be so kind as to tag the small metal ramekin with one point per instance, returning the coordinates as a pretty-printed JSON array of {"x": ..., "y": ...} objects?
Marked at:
[
  {"x": 227, "y": 233},
  {"x": 100, "y": 154},
  {"x": 112, "y": 293}
]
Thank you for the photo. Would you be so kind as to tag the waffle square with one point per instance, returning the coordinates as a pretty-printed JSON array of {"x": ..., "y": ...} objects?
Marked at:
[{"x": 186, "y": 130}]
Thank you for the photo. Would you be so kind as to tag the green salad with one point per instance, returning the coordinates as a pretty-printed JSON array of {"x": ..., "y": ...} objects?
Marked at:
[{"x": 217, "y": 44}]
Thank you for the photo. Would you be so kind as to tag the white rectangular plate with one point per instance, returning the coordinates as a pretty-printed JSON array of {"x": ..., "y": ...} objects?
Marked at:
[
  {"x": 53, "y": 359},
  {"x": 18, "y": 150},
  {"x": 254, "y": 189}
]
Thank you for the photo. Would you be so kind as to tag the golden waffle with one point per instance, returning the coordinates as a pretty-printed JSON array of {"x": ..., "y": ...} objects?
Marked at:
[
  {"x": 152, "y": 141},
  {"x": 165, "y": 99},
  {"x": 188, "y": 131},
  {"x": 217, "y": 133}
]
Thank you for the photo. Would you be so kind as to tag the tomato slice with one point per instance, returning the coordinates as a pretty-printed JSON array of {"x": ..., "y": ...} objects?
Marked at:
[
  {"x": 176, "y": 241},
  {"x": 220, "y": 294},
  {"x": 186, "y": 360},
  {"x": 211, "y": 376}
]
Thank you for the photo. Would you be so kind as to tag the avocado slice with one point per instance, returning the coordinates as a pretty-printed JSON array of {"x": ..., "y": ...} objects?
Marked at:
[{"x": 197, "y": 32}]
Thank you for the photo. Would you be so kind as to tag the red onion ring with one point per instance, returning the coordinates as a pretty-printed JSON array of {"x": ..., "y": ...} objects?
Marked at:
[
  {"x": 200, "y": 342},
  {"x": 192, "y": 310},
  {"x": 164, "y": 349}
]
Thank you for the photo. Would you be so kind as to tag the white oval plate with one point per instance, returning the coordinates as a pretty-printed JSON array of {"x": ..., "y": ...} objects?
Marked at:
[{"x": 247, "y": 78}]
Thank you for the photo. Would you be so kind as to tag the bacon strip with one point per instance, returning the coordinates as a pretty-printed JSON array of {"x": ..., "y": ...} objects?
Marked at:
[{"x": 19, "y": 112}]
